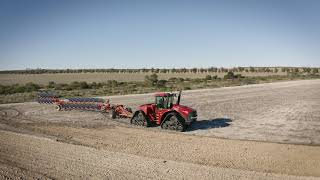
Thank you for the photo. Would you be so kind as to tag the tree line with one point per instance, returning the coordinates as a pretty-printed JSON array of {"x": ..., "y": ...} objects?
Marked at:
[{"x": 170, "y": 70}]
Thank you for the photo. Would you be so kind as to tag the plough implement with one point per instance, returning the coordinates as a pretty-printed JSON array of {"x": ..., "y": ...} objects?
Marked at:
[
  {"x": 47, "y": 98},
  {"x": 90, "y": 104}
]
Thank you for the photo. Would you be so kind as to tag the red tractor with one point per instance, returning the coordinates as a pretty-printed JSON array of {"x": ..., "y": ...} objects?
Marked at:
[{"x": 165, "y": 112}]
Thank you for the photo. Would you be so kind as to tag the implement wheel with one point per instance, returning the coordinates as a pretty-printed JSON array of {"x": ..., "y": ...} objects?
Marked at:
[
  {"x": 57, "y": 107},
  {"x": 113, "y": 114},
  {"x": 173, "y": 122}
]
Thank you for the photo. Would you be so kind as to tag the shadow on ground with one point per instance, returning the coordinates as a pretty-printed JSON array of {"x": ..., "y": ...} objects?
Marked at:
[{"x": 209, "y": 124}]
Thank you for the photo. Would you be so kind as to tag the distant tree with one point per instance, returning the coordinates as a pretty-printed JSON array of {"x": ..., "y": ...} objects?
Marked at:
[
  {"x": 240, "y": 69},
  {"x": 213, "y": 69},
  {"x": 288, "y": 70},
  {"x": 194, "y": 70},
  {"x": 315, "y": 71},
  {"x": 267, "y": 70},
  {"x": 163, "y": 71},
  {"x": 221, "y": 70},
  {"x": 184, "y": 70},
  {"x": 144, "y": 70},
  {"x": 295, "y": 70},
  {"x": 306, "y": 70},
  {"x": 234, "y": 69}
]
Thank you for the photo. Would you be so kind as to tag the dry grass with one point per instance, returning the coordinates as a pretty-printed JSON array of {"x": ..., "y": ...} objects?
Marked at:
[{"x": 9, "y": 79}]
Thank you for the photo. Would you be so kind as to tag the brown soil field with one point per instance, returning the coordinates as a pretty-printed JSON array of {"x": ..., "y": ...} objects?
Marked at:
[
  {"x": 264, "y": 131},
  {"x": 8, "y": 79}
]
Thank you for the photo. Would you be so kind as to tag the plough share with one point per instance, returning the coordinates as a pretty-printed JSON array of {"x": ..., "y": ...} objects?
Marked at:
[{"x": 90, "y": 104}]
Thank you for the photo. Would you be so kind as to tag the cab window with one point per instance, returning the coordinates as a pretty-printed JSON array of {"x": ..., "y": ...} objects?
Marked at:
[
  {"x": 160, "y": 102},
  {"x": 170, "y": 102},
  {"x": 165, "y": 102}
]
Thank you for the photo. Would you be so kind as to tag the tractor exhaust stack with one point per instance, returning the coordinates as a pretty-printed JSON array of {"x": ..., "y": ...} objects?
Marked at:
[{"x": 179, "y": 97}]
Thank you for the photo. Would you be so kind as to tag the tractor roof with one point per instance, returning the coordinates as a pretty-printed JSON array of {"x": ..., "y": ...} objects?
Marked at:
[{"x": 163, "y": 94}]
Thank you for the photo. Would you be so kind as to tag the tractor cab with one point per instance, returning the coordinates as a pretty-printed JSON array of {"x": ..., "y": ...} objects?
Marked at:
[{"x": 166, "y": 100}]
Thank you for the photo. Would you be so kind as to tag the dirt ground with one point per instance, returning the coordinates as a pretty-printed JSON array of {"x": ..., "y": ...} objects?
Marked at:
[{"x": 282, "y": 119}]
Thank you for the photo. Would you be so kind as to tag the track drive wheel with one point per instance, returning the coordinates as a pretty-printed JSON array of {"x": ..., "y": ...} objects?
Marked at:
[
  {"x": 140, "y": 120},
  {"x": 173, "y": 122}
]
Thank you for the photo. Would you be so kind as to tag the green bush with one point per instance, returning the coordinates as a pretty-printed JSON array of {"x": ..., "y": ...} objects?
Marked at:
[
  {"x": 29, "y": 87},
  {"x": 208, "y": 77},
  {"x": 74, "y": 85},
  {"x": 231, "y": 75},
  {"x": 16, "y": 88},
  {"x": 161, "y": 83},
  {"x": 84, "y": 85},
  {"x": 172, "y": 79},
  {"x": 51, "y": 84},
  {"x": 19, "y": 89},
  {"x": 197, "y": 80},
  {"x": 112, "y": 83},
  {"x": 61, "y": 86},
  {"x": 315, "y": 71},
  {"x": 78, "y": 85},
  {"x": 151, "y": 80}
]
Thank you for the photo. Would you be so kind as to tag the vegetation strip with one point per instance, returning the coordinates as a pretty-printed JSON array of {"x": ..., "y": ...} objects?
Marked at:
[{"x": 27, "y": 92}]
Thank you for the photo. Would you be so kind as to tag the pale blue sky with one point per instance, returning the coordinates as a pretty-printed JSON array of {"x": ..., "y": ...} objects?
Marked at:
[{"x": 166, "y": 33}]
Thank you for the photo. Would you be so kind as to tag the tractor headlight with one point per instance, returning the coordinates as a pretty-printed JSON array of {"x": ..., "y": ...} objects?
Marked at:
[
  {"x": 192, "y": 116},
  {"x": 185, "y": 112}
]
